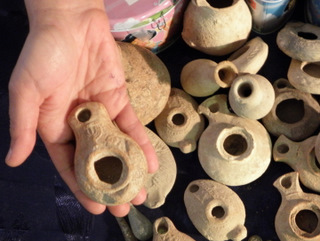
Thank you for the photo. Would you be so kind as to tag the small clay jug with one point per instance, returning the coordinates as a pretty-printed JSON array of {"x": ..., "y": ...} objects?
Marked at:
[
  {"x": 216, "y": 27},
  {"x": 179, "y": 124},
  {"x": 300, "y": 41},
  {"x": 141, "y": 226},
  {"x": 300, "y": 156},
  {"x": 215, "y": 210},
  {"x": 203, "y": 77},
  {"x": 159, "y": 184},
  {"x": 251, "y": 96},
  {"x": 232, "y": 150},
  {"x": 110, "y": 167},
  {"x": 147, "y": 79},
  {"x": 164, "y": 230},
  {"x": 299, "y": 213},
  {"x": 294, "y": 114},
  {"x": 250, "y": 57},
  {"x": 305, "y": 76}
]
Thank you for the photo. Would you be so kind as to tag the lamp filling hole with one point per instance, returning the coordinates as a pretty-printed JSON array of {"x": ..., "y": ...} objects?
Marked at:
[
  {"x": 307, "y": 35},
  {"x": 178, "y": 119},
  {"x": 220, "y": 3},
  {"x": 84, "y": 115},
  {"x": 109, "y": 169},
  {"x": 290, "y": 111},
  {"x": 235, "y": 144},
  {"x": 218, "y": 212},
  {"x": 307, "y": 221}
]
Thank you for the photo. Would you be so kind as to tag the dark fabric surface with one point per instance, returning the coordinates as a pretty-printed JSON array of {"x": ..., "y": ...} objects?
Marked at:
[{"x": 36, "y": 205}]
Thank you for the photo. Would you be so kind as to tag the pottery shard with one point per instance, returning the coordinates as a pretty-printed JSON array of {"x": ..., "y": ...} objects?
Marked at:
[
  {"x": 301, "y": 158},
  {"x": 250, "y": 57},
  {"x": 216, "y": 27},
  {"x": 109, "y": 166},
  {"x": 232, "y": 150},
  {"x": 203, "y": 77},
  {"x": 179, "y": 125},
  {"x": 305, "y": 76},
  {"x": 215, "y": 210},
  {"x": 164, "y": 230},
  {"x": 300, "y": 41},
  {"x": 251, "y": 96},
  {"x": 126, "y": 230},
  {"x": 141, "y": 226},
  {"x": 298, "y": 216},
  {"x": 159, "y": 184},
  {"x": 294, "y": 114},
  {"x": 148, "y": 81}
]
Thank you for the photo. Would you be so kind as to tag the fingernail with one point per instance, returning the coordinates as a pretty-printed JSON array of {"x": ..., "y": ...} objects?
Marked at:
[{"x": 7, "y": 160}]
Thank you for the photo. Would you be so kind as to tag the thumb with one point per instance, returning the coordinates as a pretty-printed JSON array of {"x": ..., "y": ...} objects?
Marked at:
[{"x": 23, "y": 112}]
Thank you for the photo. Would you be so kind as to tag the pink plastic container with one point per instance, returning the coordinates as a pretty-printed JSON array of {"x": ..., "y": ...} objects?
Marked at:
[{"x": 154, "y": 24}]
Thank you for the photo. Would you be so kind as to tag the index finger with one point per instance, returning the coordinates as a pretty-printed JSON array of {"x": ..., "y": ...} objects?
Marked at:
[{"x": 129, "y": 123}]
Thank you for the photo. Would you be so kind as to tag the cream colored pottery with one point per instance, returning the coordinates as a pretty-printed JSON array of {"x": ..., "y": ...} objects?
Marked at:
[
  {"x": 251, "y": 96},
  {"x": 141, "y": 226},
  {"x": 299, "y": 213},
  {"x": 300, "y": 41},
  {"x": 148, "y": 81},
  {"x": 164, "y": 230},
  {"x": 110, "y": 167},
  {"x": 125, "y": 229},
  {"x": 179, "y": 124},
  {"x": 203, "y": 77},
  {"x": 300, "y": 156},
  {"x": 294, "y": 114},
  {"x": 215, "y": 210},
  {"x": 305, "y": 76},
  {"x": 159, "y": 184},
  {"x": 232, "y": 150},
  {"x": 250, "y": 57},
  {"x": 216, "y": 27}
]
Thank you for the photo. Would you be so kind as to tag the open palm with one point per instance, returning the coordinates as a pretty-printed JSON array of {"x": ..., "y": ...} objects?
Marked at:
[{"x": 62, "y": 65}]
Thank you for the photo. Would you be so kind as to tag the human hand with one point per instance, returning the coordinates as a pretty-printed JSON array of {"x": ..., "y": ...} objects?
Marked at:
[{"x": 69, "y": 57}]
